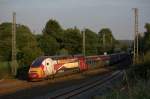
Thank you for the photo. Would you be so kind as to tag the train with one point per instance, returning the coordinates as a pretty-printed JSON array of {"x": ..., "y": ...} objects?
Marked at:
[{"x": 46, "y": 66}]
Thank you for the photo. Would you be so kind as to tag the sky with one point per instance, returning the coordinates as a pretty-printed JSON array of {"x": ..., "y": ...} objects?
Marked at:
[{"x": 117, "y": 15}]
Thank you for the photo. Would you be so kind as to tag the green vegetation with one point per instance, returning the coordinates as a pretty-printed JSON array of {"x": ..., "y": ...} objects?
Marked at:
[
  {"x": 106, "y": 40},
  {"x": 47, "y": 44},
  {"x": 72, "y": 41},
  {"x": 27, "y": 49},
  {"x": 91, "y": 45},
  {"x": 54, "y": 40},
  {"x": 138, "y": 91},
  {"x": 4, "y": 69},
  {"x": 137, "y": 86}
]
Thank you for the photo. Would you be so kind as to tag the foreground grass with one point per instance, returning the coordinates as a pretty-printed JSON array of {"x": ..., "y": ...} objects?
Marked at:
[
  {"x": 137, "y": 86},
  {"x": 139, "y": 91}
]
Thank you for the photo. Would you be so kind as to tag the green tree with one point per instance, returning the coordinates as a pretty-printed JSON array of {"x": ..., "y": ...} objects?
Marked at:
[
  {"x": 146, "y": 38},
  {"x": 147, "y": 27},
  {"x": 106, "y": 40},
  {"x": 53, "y": 28},
  {"x": 5, "y": 42},
  {"x": 63, "y": 52},
  {"x": 72, "y": 41},
  {"x": 91, "y": 42},
  {"x": 26, "y": 44},
  {"x": 48, "y": 44}
]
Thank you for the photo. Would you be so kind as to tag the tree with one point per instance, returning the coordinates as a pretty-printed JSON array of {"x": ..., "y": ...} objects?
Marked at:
[
  {"x": 91, "y": 42},
  {"x": 146, "y": 38},
  {"x": 106, "y": 40},
  {"x": 5, "y": 41},
  {"x": 53, "y": 28},
  {"x": 72, "y": 41},
  {"x": 48, "y": 44},
  {"x": 147, "y": 27},
  {"x": 26, "y": 44}
]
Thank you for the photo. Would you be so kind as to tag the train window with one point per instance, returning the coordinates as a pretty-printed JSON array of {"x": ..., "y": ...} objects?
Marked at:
[{"x": 37, "y": 62}]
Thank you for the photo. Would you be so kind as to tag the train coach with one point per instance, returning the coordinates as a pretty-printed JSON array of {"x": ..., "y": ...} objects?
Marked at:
[{"x": 45, "y": 66}]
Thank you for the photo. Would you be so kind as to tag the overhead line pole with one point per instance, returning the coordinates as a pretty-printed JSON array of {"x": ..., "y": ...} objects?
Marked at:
[
  {"x": 14, "y": 36},
  {"x": 83, "y": 42},
  {"x": 14, "y": 62},
  {"x": 104, "y": 41},
  {"x": 136, "y": 45},
  {"x": 137, "y": 34},
  {"x": 134, "y": 54}
]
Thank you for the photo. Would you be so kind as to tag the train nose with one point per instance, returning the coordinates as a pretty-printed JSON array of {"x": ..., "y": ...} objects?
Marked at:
[{"x": 33, "y": 75}]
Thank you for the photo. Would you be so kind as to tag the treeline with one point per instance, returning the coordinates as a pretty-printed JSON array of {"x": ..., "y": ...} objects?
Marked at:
[
  {"x": 142, "y": 68},
  {"x": 144, "y": 41},
  {"x": 136, "y": 83},
  {"x": 54, "y": 40},
  {"x": 144, "y": 45}
]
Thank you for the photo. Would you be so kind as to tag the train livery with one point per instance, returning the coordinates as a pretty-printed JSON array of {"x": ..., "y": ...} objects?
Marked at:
[{"x": 45, "y": 66}]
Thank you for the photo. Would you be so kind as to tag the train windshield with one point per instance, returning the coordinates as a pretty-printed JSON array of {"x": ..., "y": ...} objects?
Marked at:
[{"x": 37, "y": 62}]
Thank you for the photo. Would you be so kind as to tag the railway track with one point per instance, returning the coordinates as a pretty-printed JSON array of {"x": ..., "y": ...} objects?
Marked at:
[{"x": 71, "y": 93}]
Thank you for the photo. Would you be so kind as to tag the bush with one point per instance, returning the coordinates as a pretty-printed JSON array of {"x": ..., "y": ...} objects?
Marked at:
[
  {"x": 147, "y": 59},
  {"x": 140, "y": 71},
  {"x": 138, "y": 91},
  {"x": 141, "y": 90},
  {"x": 5, "y": 69},
  {"x": 139, "y": 82},
  {"x": 22, "y": 73}
]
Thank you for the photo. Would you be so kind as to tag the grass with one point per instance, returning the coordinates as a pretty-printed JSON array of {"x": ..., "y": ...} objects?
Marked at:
[{"x": 139, "y": 91}]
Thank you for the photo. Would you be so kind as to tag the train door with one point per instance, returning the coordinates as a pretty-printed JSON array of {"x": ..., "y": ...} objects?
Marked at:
[{"x": 83, "y": 65}]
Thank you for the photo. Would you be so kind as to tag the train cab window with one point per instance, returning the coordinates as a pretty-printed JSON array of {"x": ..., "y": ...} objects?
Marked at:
[{"x": 37, "y": 62}]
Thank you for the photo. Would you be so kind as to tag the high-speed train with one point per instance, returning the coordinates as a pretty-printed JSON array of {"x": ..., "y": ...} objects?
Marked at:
[{"x": 45, "y": 66}]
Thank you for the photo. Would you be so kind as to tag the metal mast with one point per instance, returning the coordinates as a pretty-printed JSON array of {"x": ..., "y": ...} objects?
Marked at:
[
  {"x": 104, "y": 41},
  {"x": 83, "y": 33},
  {"x": 14, "y": 62},
  {"x": 136, "y": 45}
]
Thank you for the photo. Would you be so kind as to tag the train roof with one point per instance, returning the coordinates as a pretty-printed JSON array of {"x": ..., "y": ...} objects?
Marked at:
[{"x": 40, "y": 59}]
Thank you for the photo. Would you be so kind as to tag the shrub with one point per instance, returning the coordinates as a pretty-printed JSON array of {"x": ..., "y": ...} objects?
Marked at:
[{"x": 5, "y": 69}]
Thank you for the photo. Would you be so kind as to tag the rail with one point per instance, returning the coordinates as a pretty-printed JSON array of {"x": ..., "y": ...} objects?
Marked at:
[{"x": 86, "y": 87}]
